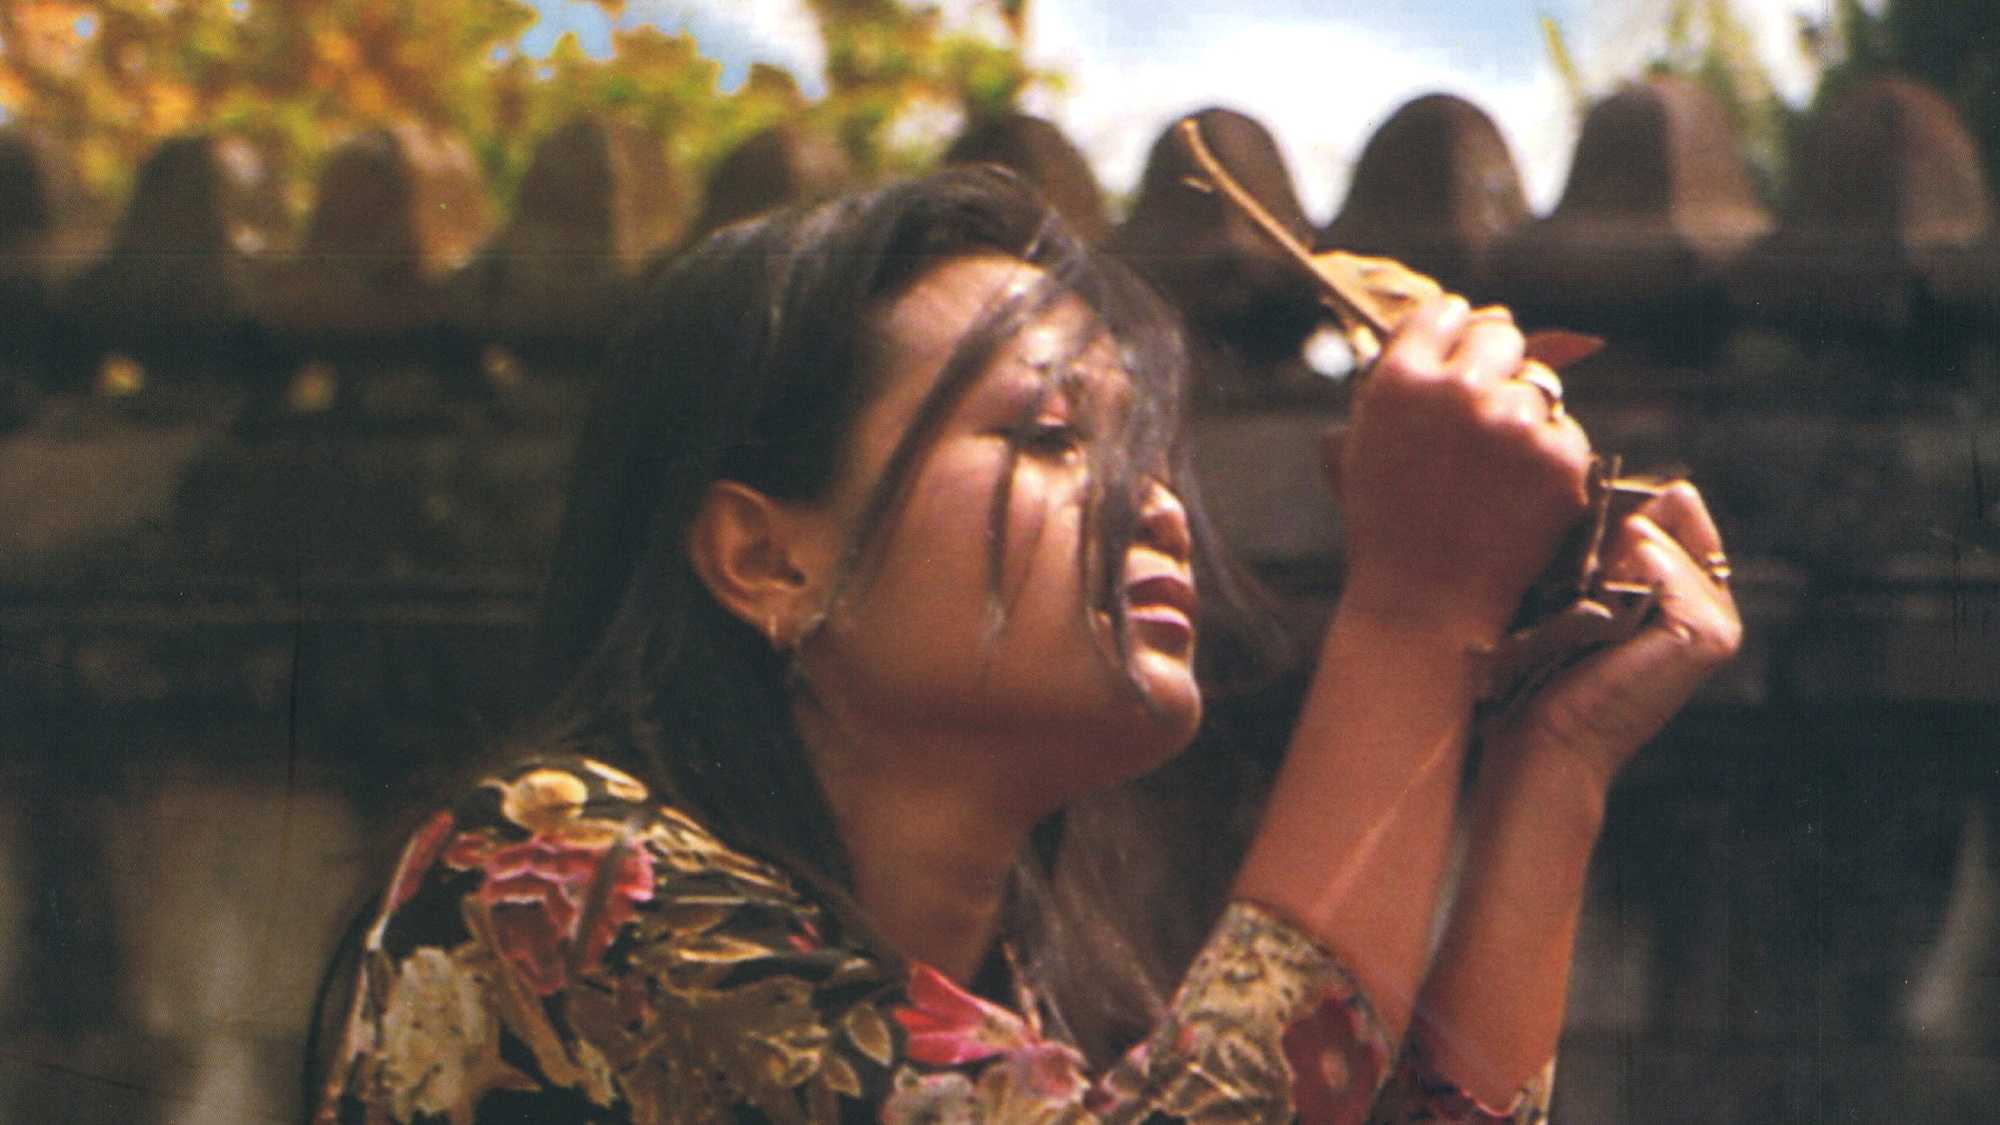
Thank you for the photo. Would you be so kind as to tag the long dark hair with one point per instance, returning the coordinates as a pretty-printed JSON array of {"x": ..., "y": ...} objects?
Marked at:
[{"x": 747, "y": 358}]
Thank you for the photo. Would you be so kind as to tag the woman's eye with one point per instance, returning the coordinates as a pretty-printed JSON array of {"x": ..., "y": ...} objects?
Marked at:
[{"x": 1051, "y": 439}]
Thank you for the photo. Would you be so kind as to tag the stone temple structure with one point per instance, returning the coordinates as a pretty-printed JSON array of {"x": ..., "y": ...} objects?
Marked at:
[{"x": 247, "y": 626}]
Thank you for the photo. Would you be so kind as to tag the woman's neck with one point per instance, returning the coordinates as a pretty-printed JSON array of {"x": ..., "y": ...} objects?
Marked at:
[
  {"x": 930, "y": 877},
  {"x": 931, "y": 848}
]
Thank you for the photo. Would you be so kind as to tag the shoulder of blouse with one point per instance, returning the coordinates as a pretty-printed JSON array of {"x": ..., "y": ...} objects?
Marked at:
[{"x": 557, "y": 928}]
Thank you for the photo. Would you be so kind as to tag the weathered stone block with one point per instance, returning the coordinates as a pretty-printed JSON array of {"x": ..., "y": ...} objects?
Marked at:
[
  {"x": 373, "y": 507},
  {"x": 1435, "y": 188},
  {"x": 1044, "y": 157},
  {"x": 599, "y": 198},
  {"x": 49, "y": 231},
  {"x": 1248, "y": 307},
  {"x": 1889, "y": 187},
  {"x": 193, "y": 249},
  {"x": 1262, "y": 482},
  {"x": 1966, "y": 281},
  {"x": 396, "y": 210},
  {"x": 782, "y": 165},
  {"x": 86, "y": 501},
  {"x": 1657, "y": 208}
]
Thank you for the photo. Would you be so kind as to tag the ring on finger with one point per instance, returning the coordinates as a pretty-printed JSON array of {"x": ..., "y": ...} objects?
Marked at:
[
  {"x": 1539, "y": 376},
  {"x": 1717, "y": 565}
]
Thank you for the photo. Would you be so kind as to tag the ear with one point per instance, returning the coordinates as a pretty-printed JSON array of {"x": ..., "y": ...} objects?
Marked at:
[{"x": 759, "y": 558}]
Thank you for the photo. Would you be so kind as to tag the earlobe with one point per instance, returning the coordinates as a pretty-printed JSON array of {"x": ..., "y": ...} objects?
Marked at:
[{"x": 749, "y": 550}]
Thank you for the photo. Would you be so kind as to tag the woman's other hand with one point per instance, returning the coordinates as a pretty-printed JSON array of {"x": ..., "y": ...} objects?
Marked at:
[
  {"x": 1594, "y": 717},
  {"x": 1493, "y": 1002},
  {"x": 1456, "y": 478}
]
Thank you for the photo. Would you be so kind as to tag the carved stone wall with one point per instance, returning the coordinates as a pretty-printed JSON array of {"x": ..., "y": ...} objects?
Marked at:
[{"x": 274, "y": 505}]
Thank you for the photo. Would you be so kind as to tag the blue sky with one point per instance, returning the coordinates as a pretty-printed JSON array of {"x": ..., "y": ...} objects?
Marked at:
[{"x": 1321, "y": 74}]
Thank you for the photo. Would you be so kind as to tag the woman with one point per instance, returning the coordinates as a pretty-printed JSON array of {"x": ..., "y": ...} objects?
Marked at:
[{"x": 877, "y": 562}]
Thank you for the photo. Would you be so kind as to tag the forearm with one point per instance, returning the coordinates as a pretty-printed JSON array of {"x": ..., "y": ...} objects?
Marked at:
[
  {"x": 1355, "y": 837},
  {"x": 1491, "y": 1008}
]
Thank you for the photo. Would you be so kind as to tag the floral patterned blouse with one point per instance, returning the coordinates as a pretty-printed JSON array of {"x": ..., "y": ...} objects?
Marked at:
[{"x": 561, "y": 947}]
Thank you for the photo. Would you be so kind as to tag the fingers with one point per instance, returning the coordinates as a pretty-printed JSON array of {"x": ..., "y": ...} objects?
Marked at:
[
  {"x": 1544, "y": 379},
  {"x": 1697, "y": 610},
  {"x": 1681, "y": 514},
  {"x": 1680, "y": 510},
  {"x": 1425, "y": 340},
  {"x": 1569, "y": 447},
  {"x": 1520, "y": 402},
  {"x": 1482, "y": 349},
  {"x": 1474, "y": 360},
  {"x": 1449, "y": 458},
  {"x": 1446, "y": 336},
  {"x": 1529, "y": 403},
  {"x": 1489, "y": 348},
  {"x": 1617, "y": 699}
]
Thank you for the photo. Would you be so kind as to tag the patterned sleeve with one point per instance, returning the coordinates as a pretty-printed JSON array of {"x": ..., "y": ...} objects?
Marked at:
[{"x": 560, "y": 947}]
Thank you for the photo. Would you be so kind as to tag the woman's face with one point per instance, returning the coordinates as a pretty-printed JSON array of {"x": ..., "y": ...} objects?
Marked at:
[{"x": 915, "y": 649}]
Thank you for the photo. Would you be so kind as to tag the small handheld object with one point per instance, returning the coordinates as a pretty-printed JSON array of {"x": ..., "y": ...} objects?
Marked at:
[{"x": 1572, "y": 610}]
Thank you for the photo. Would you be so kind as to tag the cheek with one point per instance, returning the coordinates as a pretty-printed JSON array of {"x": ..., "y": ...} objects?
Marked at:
[
  {"x": 1040, "y": 583},
  {"x": 940, "y": 537},
  {"x": 936, "y": 584},
  {"x": 926, "y": 604},
  {"x": 947, "y": 530}
]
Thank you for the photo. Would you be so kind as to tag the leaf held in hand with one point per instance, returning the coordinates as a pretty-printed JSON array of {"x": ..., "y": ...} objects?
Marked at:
[{"x": 1559, "y": 347}]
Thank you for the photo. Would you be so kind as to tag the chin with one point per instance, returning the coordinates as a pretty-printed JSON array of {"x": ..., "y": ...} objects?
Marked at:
[
  {"x": 1166, "y": 722},
  {"x": 1170, "y": 685}
]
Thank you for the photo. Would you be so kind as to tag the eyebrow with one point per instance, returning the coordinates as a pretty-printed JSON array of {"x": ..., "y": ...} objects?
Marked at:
[
  {"x": 1077, "y": 368},
  {"x": 1012, "y": 393}
]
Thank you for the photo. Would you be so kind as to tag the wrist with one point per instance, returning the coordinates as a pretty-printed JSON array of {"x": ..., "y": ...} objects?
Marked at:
[
  {"x": 1557, "y": 746},
  {"x": 1559, "y": 792},
  {"x": 1415, "y": 613}
]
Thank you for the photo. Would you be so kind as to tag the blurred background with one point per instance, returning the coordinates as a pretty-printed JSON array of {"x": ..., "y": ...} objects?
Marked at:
[{"x": 301, "y": 303}]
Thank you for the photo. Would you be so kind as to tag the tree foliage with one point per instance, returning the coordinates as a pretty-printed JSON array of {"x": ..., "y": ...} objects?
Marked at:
[
  {"x": 885, "y": 59},
  {"x": 112, "y": 78}
]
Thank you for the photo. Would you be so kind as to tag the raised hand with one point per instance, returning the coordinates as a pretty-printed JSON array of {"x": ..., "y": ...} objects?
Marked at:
[
  {"x": 1595, "y": 715},
  {"x": 1457, "y": 477}
]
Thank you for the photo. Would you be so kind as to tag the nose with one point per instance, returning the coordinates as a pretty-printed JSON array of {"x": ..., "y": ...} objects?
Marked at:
[{"x": 1163, "y": 522}]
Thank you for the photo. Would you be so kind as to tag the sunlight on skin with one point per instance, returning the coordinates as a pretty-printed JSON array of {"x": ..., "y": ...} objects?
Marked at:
[{"x": 1340, "y": 883}]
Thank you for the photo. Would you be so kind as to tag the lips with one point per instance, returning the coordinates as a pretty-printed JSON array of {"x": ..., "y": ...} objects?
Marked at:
[
  {"x": 1161, "y": 608},
  {"x": 1165, "y": 589}
]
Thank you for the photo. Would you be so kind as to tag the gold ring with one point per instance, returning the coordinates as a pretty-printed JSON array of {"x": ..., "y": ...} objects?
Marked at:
[
  {"x": 1539, "y": 376},
  {"x": 1717, "y": 565}
]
